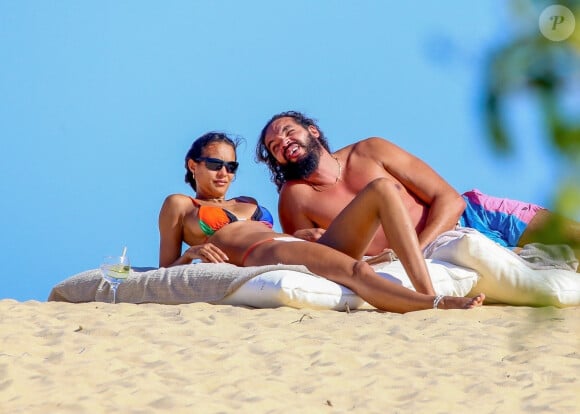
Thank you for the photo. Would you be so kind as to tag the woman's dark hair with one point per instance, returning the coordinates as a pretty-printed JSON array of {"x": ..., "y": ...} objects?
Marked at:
[
  {"x": 263, "y": 155},
  {"x": 195, "y": 152}
]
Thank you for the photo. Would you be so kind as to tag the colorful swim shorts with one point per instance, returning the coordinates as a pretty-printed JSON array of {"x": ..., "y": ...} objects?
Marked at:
[{"x": 500, "y": 219}]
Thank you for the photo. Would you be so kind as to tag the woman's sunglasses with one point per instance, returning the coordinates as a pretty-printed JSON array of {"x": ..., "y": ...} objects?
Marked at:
[{"x": 215, "y": 164}]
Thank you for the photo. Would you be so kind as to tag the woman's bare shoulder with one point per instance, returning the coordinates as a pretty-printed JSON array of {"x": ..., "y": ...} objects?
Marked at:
[
  {"x": 177, "y": 202},
  {"x": 178, "y": 198},
  {"x": 173, "y": 209}
]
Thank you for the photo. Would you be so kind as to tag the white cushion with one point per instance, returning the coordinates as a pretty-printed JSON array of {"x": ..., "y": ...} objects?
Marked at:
[
  {"x": 300, "y": 290},
  {"x": 448, "y": 279},
  {"x": 294, "y": 289},
  {"x": 507, "y": 279}
]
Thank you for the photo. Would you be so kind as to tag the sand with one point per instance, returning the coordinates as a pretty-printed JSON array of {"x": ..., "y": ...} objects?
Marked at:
[{"x": 202, "y": 358}]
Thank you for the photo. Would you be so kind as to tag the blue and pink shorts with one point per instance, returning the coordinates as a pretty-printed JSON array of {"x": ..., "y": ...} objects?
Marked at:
[{"x": 500, "y": 219}]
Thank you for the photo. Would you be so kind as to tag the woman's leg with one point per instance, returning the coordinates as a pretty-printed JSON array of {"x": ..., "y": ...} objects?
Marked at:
[
  {"x": 354, "y": 274},
  {"x": 380, "y": 203}
]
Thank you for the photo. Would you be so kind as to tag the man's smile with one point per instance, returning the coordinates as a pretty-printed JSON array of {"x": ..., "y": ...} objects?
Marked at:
[{"x": 291, "y": 151}]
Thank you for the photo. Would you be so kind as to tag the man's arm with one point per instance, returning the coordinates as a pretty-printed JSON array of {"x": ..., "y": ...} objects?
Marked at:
[
  {"x": 291, "y": 212},
  {"x": 443, "y": 216}
]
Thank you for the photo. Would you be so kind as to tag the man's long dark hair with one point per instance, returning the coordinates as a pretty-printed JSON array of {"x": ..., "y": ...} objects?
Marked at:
[{"x": 263, "y": 155}]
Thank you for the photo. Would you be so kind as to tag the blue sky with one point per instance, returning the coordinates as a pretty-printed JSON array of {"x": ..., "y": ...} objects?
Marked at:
[{"x": 100, "y": 101}]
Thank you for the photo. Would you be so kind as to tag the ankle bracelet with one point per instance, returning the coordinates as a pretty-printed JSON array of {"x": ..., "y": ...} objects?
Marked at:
[{"x": 436, "y": 301}]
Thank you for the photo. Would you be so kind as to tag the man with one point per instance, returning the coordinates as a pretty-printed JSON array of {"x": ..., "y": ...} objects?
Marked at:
[{"x": 315, "y": 185}]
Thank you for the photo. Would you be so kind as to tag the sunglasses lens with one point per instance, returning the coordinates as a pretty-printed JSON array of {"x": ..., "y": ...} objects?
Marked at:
[
  {"x": 232, "y": 167},
  {"x": 215, "y": 164}
]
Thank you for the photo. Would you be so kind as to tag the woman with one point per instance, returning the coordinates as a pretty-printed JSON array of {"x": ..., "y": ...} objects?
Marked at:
[{"x": 239, "y": 231}]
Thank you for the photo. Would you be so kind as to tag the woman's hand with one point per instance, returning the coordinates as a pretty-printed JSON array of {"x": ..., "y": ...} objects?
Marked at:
[
  {"x": 311, "y": 235},
  {"x": 208, "y": 253}
]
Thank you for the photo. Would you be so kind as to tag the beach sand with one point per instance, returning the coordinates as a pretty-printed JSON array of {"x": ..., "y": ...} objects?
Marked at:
[{"x": 201, "y": 358}]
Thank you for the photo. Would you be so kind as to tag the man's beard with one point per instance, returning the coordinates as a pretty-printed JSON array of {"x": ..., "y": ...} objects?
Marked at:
[{"x": 305, "y": 166}]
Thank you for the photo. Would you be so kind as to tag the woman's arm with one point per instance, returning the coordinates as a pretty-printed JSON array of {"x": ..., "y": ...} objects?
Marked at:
[
  {"x": 171, "y": 218},
  {"x": 171, "y": 232}
]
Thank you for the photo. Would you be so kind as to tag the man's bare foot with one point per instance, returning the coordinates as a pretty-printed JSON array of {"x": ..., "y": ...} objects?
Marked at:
[{"x": 454, "y": 302}]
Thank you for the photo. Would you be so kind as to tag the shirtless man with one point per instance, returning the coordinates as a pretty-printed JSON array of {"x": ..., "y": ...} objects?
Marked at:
[{"x": 315, "y": 185}]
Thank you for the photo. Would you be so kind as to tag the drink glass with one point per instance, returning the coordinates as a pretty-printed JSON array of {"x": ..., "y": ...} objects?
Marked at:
[{"x": 115, "y": 269}]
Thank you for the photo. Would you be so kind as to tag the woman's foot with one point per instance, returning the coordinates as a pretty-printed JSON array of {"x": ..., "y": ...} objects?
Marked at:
[{"x": 454, "y": 302}]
